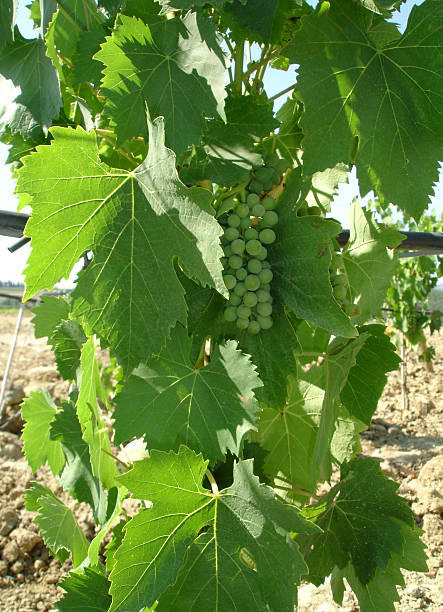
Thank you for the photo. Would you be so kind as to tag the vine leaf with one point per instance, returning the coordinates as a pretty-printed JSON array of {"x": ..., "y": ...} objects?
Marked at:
[
  {"x": 38, "y": 412},
  {"x": 7, "y": 20},
  {"x": 94, "y": 430},
  {"x": 364, "y": 524},
  {"x": 209, "y": 409},
  {"x": 380, "y": 593},
  {"x": 298, "y": 436},
  {"x": 385, "y": 93},
  {"x": 246, "y": 542},
  {"x": 67, "y": 340},
  {"x": 300, "y": 260},
  {"x": 86, "y": 69},
  {"x": 77, "y": 477},
  {"x": 29, "y": 88},
  {"x": 60, "y": 530},
  {"x": 85, "y": 590},
  {"x": 367, "y": 378},
  {"x": 175, "y": 67},
  {"x": 123, "y": 217},
  {"x": 65, "y": 30},
  {"x": 369, "y": 261},
  {"x": 48, "y": 314},
  {"x": 156, "y": 539}
]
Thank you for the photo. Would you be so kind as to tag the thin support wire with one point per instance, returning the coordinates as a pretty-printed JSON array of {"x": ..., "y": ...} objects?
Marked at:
[{"x": 10, "y": 358}]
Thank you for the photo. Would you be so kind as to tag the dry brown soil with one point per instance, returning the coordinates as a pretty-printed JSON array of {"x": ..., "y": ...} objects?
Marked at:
[{"x": 409, "y": 446}]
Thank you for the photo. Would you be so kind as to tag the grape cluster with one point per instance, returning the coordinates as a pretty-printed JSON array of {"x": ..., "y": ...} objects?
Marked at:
[
  {"x": 248, "y": 231},
  {"x": 340, "y": 286}
]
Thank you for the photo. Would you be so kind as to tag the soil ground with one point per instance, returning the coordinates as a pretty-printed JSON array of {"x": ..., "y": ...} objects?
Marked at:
[{"x": 408, "y": 444}]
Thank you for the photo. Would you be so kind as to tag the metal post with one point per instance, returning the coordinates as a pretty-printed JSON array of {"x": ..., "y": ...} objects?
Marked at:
[{"x": 9, "y": 362}]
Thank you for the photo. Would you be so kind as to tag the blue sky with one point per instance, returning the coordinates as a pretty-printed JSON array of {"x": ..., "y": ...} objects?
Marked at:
[{"x": 11, "y": 265}]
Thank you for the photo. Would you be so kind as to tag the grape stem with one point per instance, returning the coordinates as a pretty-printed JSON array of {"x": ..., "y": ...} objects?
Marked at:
[
  {"x": 281, "y": 93},
  {"x": 239, "y": 53},
  {"x": 211, "y": 479}
]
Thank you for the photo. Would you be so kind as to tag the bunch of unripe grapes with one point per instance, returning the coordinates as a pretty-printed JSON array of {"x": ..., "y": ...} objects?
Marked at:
[
  {"x": 340, "y": 286},
  {"x": 247, "y": 274}
]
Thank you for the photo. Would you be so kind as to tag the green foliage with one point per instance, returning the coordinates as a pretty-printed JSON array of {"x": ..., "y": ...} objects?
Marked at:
[
  {"x": 238, "y": 357},
  {"x": 362, "y": 79}
]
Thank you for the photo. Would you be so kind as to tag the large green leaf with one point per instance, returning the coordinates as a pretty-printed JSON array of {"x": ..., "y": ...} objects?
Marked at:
[
  {"x": 65, "y": 29},
  {"x": 38, "y": 412},
  {"x": 124, "y": 217},
  {"x": 60, "y": 530},
  {"x": 379, "y": 594},
  {"x": 363, "y": 522},
  {"x": 85, "y": 68},
  {"x": 94, "y": 430},
  {"x": 48, "y": 314},
  {"x": 300, "y": 260},
  {"x": 209, "y": 409},
  {"x": 85, "y": 591},
  {"x": 246, "y": 550},
  {"x": 7, "y": 20},
  {"x": 252, "y": 19},
  {"x": 174, "y": 67},
  {"x": 29, "y": 88},
  {"x": 67, "y": 340},
  {"x": 156, "y": 539},
  {"x": 369, "y": 261},
  {"x": 77, "y": 477},
  {"x": 367, "y": 378},
  {"x": 355, "y": 84}
]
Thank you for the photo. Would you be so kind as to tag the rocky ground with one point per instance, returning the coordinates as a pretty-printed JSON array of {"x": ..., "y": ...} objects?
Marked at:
[{"x": 409, "y": 445}]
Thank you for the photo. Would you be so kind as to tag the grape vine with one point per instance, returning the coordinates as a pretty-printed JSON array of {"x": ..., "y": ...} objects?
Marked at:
[{"x": 141, "y": 134}]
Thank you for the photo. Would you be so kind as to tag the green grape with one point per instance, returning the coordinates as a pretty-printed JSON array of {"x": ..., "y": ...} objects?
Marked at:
[
  {"x": 238, "y": 246},
  {"x": 266, "y": 276},
  {"x": 250, "y": 299},
  {"x": 267, "y": 236},
  {"x": 271, "y": 158},
  {"x": 253, "y": 247},
  {"x": 265, "y": 265},
  {"x": 258, "y": 210},
  {"x": 353, "y": 310},
  {"x": 242, "y": 210},
  {"x": 270, "y": 218},
  {"x": 227, "y": 250},
  {"x": 231, "y": 233},
  {"x": 254, "y": 327},
  {"x": 245, "y": 223},
  {"x": 265, "y": 322},
  {"x": 230, "y": 314},
  {"x": 269, "y": 203},
  {"x": 339, "y": 292},
  {"x": 234, "y": 300},
  {"x": 262, "y": 254},
  {"x": 230, "y": 281},
  {"x": 251, "y": 234},
  {"x": 243, "y": 311},
  {"x": 235, "y": 262},
  {"x": 252, "y": 282},
  {"x": 264, "y": 309},
  {"x": 241, "y": 274},
  {"x": 276, "y": 177},
  {"x": 240, "y": 289},
  {"x": 282, "y": 165},
  {"x": 340, "y": 279},
  {"x": 252, "y": 199},
  {"x": 314, "y": 211},
  {"x": 336, "y": 261},
  {"x": 224, "y": 262},
  {"x": 242, "y": 323},
  {"x": 255, "y": 187},
  {"x": 263, "y": 295},
  {"x": 233, "y": 220},
  {"x": 267, "y": 186},
  {"x": 254, "y": 266},
  {"x": 263, "y": 174}
]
